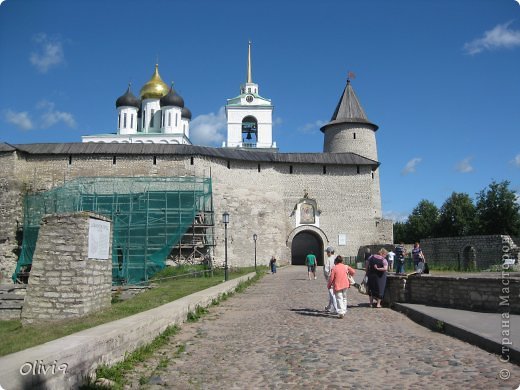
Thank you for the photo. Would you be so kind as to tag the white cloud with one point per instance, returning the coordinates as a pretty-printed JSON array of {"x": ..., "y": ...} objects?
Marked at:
[
  {"x": 311, "y": 127},
  {"x": 49, "y": 54},
  {"x": 396, "y": 216},
  {"x": 51, "y": 116},
  {"x": 277, "y": 121},
  {"x": 209, "y": 129},
  {"x": 20, "y": 119},
  {"x": 501, "y": 36},
  {"x": 411, "y": 165},
  {"x": 464, "y": 166},
  {"x": 516, "y": 161}
]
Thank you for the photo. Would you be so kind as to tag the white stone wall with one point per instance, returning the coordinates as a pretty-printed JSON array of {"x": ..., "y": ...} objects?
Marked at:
[{"x": 260, "y": 197}]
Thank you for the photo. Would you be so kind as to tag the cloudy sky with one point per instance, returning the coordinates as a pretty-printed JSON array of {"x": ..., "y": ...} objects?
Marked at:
[{"x": 439, "y": 77}]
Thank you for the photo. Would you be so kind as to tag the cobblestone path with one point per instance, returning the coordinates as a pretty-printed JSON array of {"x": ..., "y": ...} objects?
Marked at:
[{"x": 276, "y": 335}]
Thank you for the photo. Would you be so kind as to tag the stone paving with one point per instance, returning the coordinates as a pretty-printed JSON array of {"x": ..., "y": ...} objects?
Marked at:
[{"x": 276, "y": 335}]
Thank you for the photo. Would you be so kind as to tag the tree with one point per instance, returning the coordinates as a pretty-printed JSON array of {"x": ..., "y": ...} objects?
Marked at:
[
  {"x": 497, "y": 210},
  {"x": 457, "y": 216},
  {"x": 422, "y": 222},
  {"x": 400, "y": 232}
]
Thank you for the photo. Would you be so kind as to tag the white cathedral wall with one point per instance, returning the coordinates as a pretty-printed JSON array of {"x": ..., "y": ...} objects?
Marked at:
[
  {"x": 185, "y": 127},
  {"x": 258, "y": 202},
  {"x": 173, "y": 123},
  {"x": 148, "y": 106},
  {"x": 130, "y": 127}
]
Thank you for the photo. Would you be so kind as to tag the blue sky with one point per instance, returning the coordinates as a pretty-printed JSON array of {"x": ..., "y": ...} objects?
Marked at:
[{"x": 441, "y": 78}]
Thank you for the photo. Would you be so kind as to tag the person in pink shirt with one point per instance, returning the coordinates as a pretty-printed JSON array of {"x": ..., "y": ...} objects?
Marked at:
[{"x": 338, "y": 281}]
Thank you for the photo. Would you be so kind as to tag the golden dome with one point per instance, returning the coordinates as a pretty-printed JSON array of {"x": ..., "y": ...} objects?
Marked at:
[{"x": 155, "y": 88}]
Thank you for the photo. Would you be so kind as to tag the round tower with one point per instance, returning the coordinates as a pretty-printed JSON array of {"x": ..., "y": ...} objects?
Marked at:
[
  {"x": 349, "y": 130},
  {"x": 171, "y": 105},
  {"x": 127, "y": 107}
]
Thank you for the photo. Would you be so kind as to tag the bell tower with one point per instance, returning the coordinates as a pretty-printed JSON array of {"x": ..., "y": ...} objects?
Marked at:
[{"x": 249, "y": 117}]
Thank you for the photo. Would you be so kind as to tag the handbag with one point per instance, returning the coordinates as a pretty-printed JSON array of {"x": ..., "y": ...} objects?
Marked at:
[
  {"x": 426, "y": 269},
  {"x": 351, "y": 280},
  {"x": 362, "y": 288}
]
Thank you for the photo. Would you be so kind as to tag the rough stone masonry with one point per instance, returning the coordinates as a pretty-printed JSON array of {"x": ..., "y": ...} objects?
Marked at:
[{"x": 65, "y": 282}]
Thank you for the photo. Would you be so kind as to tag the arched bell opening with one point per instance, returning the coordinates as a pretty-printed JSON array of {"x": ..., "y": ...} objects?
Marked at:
[{"x": 249, "y": 130}]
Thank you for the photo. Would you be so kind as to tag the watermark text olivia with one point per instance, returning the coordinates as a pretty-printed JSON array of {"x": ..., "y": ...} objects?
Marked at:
[{"x": 38, "y": 367}]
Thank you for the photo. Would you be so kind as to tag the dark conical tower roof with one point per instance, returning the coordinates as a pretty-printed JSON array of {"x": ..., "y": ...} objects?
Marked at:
[{"x": 349, "y": 110}]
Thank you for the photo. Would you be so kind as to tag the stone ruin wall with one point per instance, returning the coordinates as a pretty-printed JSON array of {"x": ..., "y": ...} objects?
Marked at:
[
  {"x": 64, "y": 282},
  {"x": 473, "y": 251}
]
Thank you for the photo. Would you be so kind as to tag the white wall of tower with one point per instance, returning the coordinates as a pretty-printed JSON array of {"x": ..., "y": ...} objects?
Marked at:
[
  {"x": 172, "y": 120},
  {"x": 127, "y": 120}
]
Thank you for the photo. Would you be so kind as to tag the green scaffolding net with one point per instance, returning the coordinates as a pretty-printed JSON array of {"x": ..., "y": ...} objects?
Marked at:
[{"x": 149, "y": 217}]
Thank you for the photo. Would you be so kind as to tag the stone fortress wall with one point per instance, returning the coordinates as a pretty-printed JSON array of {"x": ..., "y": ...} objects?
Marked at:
[
  {"x": 259, "y": 196},
  {"x": 11, "y": 214}
]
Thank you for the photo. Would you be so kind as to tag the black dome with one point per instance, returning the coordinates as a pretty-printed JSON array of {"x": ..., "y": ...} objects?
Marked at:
[
  {"x": 172, "y": 98},
  {"x": 185, "y": 113},
  {"x": 128, "y": 99}
]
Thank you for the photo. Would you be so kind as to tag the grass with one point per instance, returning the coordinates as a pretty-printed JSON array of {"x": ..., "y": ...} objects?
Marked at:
[
  {"x": 116, "y": 372},
  {"x": 16, "y": 338}
]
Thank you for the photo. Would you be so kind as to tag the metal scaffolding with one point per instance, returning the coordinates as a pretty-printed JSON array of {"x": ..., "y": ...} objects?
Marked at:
[{"x": 153, "y": 219}]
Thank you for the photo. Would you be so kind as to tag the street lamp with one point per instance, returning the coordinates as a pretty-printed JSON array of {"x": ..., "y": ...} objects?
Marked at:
[
  {"x": 225, "y": 220},
  {"x": 254, "y": 239}
]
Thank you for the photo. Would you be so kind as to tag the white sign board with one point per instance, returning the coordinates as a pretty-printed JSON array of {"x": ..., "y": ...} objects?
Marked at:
[
  {"x": 98, "y": 239},
  {"x": 342, "y": 239}
]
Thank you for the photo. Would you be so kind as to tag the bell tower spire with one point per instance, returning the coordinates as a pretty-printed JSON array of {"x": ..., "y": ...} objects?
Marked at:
[{"x": 249, "y": 73}]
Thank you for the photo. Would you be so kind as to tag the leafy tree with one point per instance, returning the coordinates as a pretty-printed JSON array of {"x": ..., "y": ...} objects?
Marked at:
[
  {"x": 457, "y": 216},
  {"x": 400, "y": 232},
  {"x": 422, "y": 222},
  {"x": 497, "y": 210}
]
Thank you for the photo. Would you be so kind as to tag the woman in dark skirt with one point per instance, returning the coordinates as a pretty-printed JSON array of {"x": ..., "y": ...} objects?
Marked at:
[{"x": 376, "y": 271}]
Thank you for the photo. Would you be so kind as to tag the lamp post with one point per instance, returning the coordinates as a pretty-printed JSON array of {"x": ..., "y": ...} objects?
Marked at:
[
  {"x": 225, "y": 220},
  {"x": 255, "y": 236}
]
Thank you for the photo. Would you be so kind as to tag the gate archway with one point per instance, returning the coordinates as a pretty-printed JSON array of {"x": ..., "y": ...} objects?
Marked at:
[{"x": 304, "y": 243}]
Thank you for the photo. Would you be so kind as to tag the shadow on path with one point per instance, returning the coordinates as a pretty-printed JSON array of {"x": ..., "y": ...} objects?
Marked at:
[{"x": 313, "y": 313}]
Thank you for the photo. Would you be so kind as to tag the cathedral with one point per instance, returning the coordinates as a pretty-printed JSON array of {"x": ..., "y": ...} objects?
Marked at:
[
  {"x": 158, "y": 116},
  {"x": 276, "y": 204}
]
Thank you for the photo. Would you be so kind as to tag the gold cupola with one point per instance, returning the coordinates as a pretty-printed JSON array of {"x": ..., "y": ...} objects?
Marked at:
[{"x": 155, "y": 88}]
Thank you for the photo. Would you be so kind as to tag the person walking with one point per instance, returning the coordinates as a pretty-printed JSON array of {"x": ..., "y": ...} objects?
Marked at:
[
  {"x": 338, "y": 281},
  {"x": 272, "y": 264},
  {"x": 390, "y": 258},
  {"x": 376, "y": 272},
  {"x": 418, "y": 257},
  {"x": 310, "y": 262},
  {"x": 400, "y": 253},
  {"x": 328, "y": 264}
]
